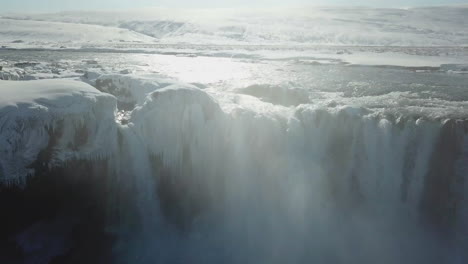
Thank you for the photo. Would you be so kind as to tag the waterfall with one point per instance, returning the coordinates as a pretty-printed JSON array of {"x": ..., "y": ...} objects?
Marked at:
[
  {"x": 329, "y": 185},
  {"x": 189, "y": 180}
]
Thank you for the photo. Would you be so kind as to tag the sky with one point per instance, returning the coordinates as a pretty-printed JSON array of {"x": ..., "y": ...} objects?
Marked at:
[{"x": 63, "y": 5}]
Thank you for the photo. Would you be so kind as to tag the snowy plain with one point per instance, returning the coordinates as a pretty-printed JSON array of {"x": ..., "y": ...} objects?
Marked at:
[{"x": 407, "y": 37}]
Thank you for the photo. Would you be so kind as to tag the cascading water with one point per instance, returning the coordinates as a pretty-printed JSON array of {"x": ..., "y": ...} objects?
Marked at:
[
  {"x": 191, "y": 180},
  {"x": 134, "y": 179},
  {"x": 321, "y": 185}
]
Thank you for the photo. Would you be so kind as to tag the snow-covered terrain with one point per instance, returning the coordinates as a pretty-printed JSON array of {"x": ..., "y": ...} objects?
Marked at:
[
  {"x": 31, "y": 111},
  {"x": 37, "y": 34},
  {"x": 403, "y": 37},
  {"x": 436, "y": 26}
]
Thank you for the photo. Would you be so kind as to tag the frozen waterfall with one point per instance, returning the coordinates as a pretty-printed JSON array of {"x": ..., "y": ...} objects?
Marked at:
[{"x": 193, "y": 182}]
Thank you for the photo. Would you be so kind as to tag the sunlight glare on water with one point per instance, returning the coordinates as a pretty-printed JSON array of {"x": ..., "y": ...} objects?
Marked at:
[{"x": 203, "y": 70}]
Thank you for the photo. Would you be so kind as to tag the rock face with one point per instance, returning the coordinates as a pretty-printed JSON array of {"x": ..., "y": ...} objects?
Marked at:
[
  {"x": 58, "y": 217},
  {"x": 443, "y": 200},
  {"x": 55, "y": 199}
]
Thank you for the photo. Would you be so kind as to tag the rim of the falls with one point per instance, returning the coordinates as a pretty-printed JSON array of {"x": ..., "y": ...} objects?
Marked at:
[
  {"x": 132, "y": 91},
  {"x": 28, "y": 119}
]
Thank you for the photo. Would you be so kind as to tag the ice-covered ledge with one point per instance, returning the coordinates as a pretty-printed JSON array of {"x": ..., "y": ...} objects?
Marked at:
[{"x": 78, "y": 117}]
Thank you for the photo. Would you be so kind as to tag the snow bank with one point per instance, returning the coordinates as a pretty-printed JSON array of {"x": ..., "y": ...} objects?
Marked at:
[{"x": 73, "y": 118}]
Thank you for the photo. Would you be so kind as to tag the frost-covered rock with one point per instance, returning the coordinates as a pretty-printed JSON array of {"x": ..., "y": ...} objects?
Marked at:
[
  {"x": 178, "y": 114},
  {"x": 12, "y": 74},
  {"x": 90, "y": 76},
  {"x": 77, "y": 117},
  {"x": 130, "y": 90}
]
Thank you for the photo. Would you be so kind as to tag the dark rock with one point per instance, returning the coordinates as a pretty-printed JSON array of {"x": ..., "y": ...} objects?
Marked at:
[
  {"x": 126, "y": 71},
  {"x": 277, "y": 94},
  {"x": 439, "y": 199},
  {"x": 181, "y": 199},
  {"x": 25, "y": 64},
  {"x": 68, "y": 202},
  {"x": 91, "y": 62}
]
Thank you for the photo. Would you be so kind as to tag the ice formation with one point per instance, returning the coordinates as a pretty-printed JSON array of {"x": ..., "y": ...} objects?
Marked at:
[
  {"x": 270, "y": 186},
  {"x": 32, "y": 111},
  {"x": 129, "y": 90}
]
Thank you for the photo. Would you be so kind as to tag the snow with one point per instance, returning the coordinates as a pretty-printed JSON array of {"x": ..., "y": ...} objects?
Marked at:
[
  {"x": 437, "y": 26},
  {"x": 54, "y": 96},
  {"x": 31, "y": 110},
  {"x": 413, "y": 37},
  {"x": 131, "y": 89},
  {"x": 57, "y": 34}
]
